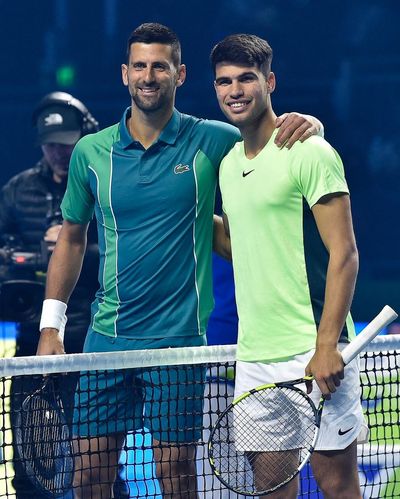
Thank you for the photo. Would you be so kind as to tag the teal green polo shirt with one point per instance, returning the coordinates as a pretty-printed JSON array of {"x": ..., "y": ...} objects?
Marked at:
[{"x": 154, "y": 211}]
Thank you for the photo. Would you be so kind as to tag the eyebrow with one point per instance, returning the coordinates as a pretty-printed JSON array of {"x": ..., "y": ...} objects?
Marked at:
[
  {"x": 241, "y": 75},
  {"x": 138, "y": 61}
]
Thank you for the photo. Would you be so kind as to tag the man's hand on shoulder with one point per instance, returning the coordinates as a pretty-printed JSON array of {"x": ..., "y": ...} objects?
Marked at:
[
  {"x": 50, "y": 342},
  {"x": 296, "y": 126}
]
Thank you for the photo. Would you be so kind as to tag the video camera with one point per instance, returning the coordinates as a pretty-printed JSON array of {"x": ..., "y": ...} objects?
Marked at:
[{"x": 14, "y": 258}]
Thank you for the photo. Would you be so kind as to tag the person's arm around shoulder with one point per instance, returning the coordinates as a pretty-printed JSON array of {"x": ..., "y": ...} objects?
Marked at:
[
  {"x": 63, "y": 272},
  {"x": 295, "y": 127},
  {"x": 221, "y": 239},
  {"x": 332, "y": 214}
]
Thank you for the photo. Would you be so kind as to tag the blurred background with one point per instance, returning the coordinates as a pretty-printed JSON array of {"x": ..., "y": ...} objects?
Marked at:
[{"x": 339, "y": 61}]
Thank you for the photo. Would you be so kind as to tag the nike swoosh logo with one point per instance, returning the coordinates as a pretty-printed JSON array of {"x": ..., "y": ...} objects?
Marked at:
[
  {"x": 345, "y": 431},
  {"x": 244, "y": 174}
]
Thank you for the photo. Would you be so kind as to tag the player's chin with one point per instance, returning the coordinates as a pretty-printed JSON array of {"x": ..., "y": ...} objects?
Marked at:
[{"x": 237, "y": 119}]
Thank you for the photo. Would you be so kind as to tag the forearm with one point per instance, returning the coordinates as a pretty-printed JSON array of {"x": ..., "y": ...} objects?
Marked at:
[
  {"x": 221, "y": 241},
  {"x": 63, "y": 272},
  {"x": 340, "y": 284},
  {"x": 65, "y": 266}
]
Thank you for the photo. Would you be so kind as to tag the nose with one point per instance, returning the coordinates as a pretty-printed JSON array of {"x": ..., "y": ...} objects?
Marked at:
[
  {"x": 236, "y": 89},
  {"x": 148, "y": 75}
]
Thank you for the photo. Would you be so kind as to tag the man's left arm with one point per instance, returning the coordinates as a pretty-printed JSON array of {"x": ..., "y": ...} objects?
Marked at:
[
  {"x": 333, "y": 218},
  {"x": 296, "y": 126},
  {"x": 221, "y": 239}
]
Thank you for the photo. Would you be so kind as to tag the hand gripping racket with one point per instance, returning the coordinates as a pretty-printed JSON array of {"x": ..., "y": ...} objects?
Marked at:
[
  {"x": 264, "y": 438},
  {"x": 43, "y": 441}
]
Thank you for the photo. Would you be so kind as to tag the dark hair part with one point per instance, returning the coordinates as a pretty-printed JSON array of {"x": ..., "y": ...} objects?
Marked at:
[
  {"x": 243, "y": 49},
  {"x": 156, "y": 33}
]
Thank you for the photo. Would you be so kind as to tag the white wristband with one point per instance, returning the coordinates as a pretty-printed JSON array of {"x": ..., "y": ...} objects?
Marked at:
[
  {"x": 61, "y": 331},
  {"x": 53, "y": 315}
]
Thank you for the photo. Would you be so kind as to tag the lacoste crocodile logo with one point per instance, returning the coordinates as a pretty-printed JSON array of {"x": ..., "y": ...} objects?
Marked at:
[{"x": 181, "y": 168}]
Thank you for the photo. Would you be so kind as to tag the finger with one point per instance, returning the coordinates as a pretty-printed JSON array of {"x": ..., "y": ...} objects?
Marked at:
[
  {"x": 293, "y": 128},
  {"x": 284, "y": 131},
  {"x": 330, "y": 383},
  {"x": 308, "y": 132},
  {"x": 336, "y": 380},
  {"x": 326, "y": 394},
  {"x": 309, "y": 386},
  {"x": 301, "y": 133},
  {"x": 280, "y": 119}
]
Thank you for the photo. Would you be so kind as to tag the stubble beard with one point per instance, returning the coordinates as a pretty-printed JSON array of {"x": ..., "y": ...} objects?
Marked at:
[{"x": 148, "y": 105}]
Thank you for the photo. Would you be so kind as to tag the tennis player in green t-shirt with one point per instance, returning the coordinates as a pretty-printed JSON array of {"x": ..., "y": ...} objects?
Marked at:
[{"x": 295, "y": 261}]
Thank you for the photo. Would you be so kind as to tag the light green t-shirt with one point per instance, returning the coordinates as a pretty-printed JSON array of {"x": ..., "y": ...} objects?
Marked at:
[{"x": 280, "y": 262}]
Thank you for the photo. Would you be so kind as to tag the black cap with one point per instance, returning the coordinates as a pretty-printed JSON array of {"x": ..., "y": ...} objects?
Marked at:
[{"x": 58, "y": 124}]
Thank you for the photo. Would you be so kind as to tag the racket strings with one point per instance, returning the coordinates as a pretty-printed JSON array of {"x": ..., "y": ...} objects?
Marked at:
[
  {"x": 263, "y": 441},
  {"x": 45, "y": 446}
]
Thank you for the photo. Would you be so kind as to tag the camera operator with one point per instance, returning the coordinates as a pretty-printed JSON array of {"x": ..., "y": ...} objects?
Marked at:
[{"x": 30, "y": 222}]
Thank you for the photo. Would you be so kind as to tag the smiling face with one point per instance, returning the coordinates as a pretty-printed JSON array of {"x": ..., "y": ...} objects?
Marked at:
[
  {"x": 243, "y": 92},
  {"x": 152, "y": 77}
]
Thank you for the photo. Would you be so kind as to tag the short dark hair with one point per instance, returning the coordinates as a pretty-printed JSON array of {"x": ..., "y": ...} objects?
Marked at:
[
  {"x": 243, "y": 49},
  {"x": 156, "y": 33}
]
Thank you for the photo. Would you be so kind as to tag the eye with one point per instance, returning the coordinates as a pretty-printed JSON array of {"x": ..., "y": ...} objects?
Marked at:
[
  {"x": 247, "y": 78},
  {"x": 138, "y": 65},
  {"x": 222, "y": 82},
  {"x": 158, "y": 66}
]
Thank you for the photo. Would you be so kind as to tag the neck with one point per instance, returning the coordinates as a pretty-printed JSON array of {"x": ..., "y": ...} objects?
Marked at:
[
  {"x": 257, "y": 134},
  {"x": 146, "y": 127}
]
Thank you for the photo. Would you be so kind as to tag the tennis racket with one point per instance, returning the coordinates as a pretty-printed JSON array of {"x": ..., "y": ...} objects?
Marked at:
[
  {"x": 264, "y": 438},
  {"x": 43, "y": 441}
]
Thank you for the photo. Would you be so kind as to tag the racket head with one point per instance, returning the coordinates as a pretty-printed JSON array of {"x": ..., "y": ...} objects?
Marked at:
[
  {"x": 43, "y": 441},
  {"x": 264, "y": 438}
]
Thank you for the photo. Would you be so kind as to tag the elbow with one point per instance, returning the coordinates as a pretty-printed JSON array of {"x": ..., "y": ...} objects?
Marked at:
[
  {"x": 350, "y": 259},
  {"x": 345, "y": 260}
]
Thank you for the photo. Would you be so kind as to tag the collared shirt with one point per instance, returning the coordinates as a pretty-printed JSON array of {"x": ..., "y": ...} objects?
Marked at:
[{"x": 154, "y": 212}]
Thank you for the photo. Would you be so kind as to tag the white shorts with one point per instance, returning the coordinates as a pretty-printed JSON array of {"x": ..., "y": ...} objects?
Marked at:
[{"x": 342, "y": 419}]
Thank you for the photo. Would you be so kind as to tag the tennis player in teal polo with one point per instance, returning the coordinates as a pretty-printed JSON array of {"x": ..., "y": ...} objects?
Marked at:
[{"x": 150, "y": 182}]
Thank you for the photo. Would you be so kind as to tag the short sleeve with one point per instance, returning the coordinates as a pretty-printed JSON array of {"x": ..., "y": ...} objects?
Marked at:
[
  {"x": 78, "y": 202},
  {"x": 218, "y": 140},
  {"x": 318, "y": 170}
]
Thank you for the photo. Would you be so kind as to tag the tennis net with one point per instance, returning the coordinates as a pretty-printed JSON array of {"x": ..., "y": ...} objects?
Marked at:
[{"x": 199, "y": 383}]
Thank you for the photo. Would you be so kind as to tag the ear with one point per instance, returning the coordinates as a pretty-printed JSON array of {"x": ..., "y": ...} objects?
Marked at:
[
  {"x": 124, "y": 73},
  {"x": 181, "y": 75},
  {"x": 271, "y": 82}
]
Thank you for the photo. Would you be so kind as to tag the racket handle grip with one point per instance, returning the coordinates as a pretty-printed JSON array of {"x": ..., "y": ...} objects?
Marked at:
[{"x": 385, "y": 317}]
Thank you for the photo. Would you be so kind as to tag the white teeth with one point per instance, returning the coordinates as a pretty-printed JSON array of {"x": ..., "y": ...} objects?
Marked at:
[{"x": 237, "y": 104}]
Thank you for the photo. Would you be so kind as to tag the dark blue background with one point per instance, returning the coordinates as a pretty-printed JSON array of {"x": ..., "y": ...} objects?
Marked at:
[{"x": 337, "y": 60}]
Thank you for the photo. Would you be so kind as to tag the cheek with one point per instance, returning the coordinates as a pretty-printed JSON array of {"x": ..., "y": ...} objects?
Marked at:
[{"x": 220, "y": 95}]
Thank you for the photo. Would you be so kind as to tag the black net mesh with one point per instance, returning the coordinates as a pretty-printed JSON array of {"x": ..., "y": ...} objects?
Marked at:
[{"x": 157, "y": 422}]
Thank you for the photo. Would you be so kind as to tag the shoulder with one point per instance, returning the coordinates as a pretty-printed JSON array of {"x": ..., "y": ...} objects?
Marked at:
[
  {"x": 104, "y": 138},
  {"x": 211, "y": 128},
  {"x": 234, "y": 154},
  {"x": 315, "y": 148}
]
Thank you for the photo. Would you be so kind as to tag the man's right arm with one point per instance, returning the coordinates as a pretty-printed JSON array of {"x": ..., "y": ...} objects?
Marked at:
[{"x": 63, "y": 272}]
